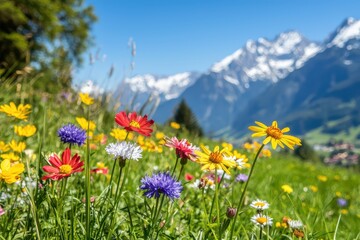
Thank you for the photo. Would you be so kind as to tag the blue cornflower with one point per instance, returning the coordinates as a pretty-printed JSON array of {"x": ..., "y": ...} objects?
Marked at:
[
  {"x": 341, "y": 202},
  {"x": 161, "y": 183},
  {"x": 72, "y": 134},
  {"x": 242, "y": 178}
]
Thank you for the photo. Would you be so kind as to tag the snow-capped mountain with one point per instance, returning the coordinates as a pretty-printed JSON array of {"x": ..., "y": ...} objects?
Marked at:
[
  {"x": 325, "y": 89},
  {"x": 348, "y": 30},
  {"x": 167, "y": 87},
  {"x": 218, "y": 95},
  {"x": 134, "y": 92},
  {"x": 267, "y": 60}
]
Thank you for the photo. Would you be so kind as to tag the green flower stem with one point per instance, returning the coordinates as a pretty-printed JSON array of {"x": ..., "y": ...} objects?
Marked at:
[
  {"x": 176, "y": 163},
  {"x": 181, "y": 169},
  {"x": 244, "y": 191},
  {"x": 87, "y": 179}
]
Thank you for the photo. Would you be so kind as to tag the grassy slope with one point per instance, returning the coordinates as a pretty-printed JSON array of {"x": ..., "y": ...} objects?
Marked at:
[{"x": 318, "y": 210}]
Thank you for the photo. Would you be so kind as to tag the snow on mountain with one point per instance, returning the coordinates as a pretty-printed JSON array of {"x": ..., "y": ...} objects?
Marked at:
[
  {"x": 267, "y": 60},
  {"x": 349, "y": 29},
  {"x": 167, "y": 87}
]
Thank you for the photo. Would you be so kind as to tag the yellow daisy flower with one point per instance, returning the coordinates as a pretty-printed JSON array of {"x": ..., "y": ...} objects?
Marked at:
[
  {"x": 217, "y": 159},
  {"x": 286, "y": 188},
  {"x": 17, "y": 147},
  {"x": 26, "y": 131},
  {"x": 10, "y": 156},
  {"x": 159, "y": 135},
  {"x": 120, "y": 134},
  {"x": 84, "y": 124},
  {"x": 3, "y": 147},
  {"x": 86, "y": 99},
  {"x": 275, "y": 135},
  {"x": 10, "y": 173},
  {"x": 175, "y": 125},
  {"x": 21, "y": 112}
]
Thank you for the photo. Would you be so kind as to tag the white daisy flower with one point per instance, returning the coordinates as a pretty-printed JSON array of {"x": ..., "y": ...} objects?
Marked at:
[
  {"x": 259, "y": 204},
  {"x": 125, "y": 150},
  {"x": 295, "y": 224},
  {"x": 261, "y": 220}
]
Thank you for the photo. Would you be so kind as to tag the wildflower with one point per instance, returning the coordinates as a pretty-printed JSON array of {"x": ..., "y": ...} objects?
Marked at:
[
  {"x": 344, "y": 211},
  {"x": 100, "y": 168},
  {"x": 25, "y": 131},
  {"x": 72, "y": 134},
  {"x": 322, "y": 178},
  {"x": 215, "y": 159},
  {"x": 241, "y": 162},
  {"x": 9, "y": 172},
  {"x": 314, "y": 188},
  {"x": 17, "y": 147},
  {"x": 19, "y": 112},
  {"x": 287, "y": 189},
  {"x": 84, "y": 124},
  {"x": 174, "y": 125},
  {"x": 295, "y": 224},
  {"x": 2, "y": 211},
  {"x": 183, "y": 148},
  {"x": 227, "y": 145},
  {"x": 86, "y": 99},
  {"x": 261, "y": 220},
  {"x": 11, "y": 156},
  {"x": 64, "y": 167},
  {"x": 275, "y": 135},
  {"x": 124, "y": 150},
  {"x": 341, "y": 202},
  {"x": 120, "y": 134},
  {"x": 266, "y": 153},
  {"x": 4, "y": 147},
  {"x": 188, "y": 177},
  {"x": 241, "y": 178},
  {"x": 159, "y": 135},
  {"x": 259, "y": 204},
  {"x": 133, "y": 122},
  {"x": 161, "y": 183},
  {"x": 231, "y": 212}
]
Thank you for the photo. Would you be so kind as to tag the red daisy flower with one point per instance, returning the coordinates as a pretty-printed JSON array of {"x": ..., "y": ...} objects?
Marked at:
[
  {"x": 133, "y": 122},
  {"x": 184, "y": 149},
  {"x": 63, "y": 167}
]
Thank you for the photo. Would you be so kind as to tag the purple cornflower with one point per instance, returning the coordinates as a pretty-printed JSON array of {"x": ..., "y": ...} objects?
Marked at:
[
  {"x": 242, "y": 178},
  {"x": 341, "y": 202},
  {"x": 72, "y": 134},
  {"x": 161, "y": 183}
]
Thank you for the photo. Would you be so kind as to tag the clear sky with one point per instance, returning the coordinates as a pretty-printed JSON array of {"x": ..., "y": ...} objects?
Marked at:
[{"x": 174, "y": 36}]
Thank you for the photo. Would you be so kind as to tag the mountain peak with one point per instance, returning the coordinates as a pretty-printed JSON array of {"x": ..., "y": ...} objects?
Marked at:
[{"x": 348, "y": 29}]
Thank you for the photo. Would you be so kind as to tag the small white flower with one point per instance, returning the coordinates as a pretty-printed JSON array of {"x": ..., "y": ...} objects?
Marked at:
[
  {"x": 261, "y": 220},
  {"x": 125, "y": 150},
  {"x": 295, "y": 224},
  {"x": 259, "y": 204}
]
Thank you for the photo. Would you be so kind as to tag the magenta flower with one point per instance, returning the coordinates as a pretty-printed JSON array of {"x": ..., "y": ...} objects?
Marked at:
[{"x": 183, "y": 148}]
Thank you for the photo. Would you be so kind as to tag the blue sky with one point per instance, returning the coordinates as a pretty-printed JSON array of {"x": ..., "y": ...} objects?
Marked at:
[{"x": 174, "y": 36}]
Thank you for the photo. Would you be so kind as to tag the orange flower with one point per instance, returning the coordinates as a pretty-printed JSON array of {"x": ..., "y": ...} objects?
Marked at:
[{"x": 133, "y": 122}]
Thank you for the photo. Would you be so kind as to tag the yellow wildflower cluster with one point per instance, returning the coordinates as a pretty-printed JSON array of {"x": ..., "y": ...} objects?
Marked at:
[
  {"x": 254, "y": 147},
  {"x": 10, "y": 172},
  {"x": 20, "y": 112},
  {"x": 120, "y": 134},
  {"x": 148, "y": 144},
  {"x": 86, "y": 99},
  {"x": 175, "y": 125},
  {"x": 25, "y": 131}
]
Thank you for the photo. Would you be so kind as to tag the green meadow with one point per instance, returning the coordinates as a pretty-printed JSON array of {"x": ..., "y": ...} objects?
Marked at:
[{"x": 109, "y": 204}]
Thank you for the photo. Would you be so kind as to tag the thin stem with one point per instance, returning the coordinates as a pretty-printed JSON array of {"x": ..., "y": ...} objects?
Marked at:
[
  {"x": 244, "y": 191},
  {"x": 260, "y": 235},
  {"x": 176, "y": 163},
  {"x": 87, "y": 178}
]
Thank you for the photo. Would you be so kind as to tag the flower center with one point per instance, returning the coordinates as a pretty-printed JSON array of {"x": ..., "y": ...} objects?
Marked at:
[
  {"x": 259, "y": 204},
  {"x": 65, "y": 169},
  {"x": 261, "y": 220},
  {"x": 274, "y": 132},
  {"x": 216, "y": 157},
  {"x": 134, "y": 124}
]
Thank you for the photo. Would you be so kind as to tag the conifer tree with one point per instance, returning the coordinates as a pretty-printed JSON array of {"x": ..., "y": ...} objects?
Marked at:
[{"x": 184, "y": 116}]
